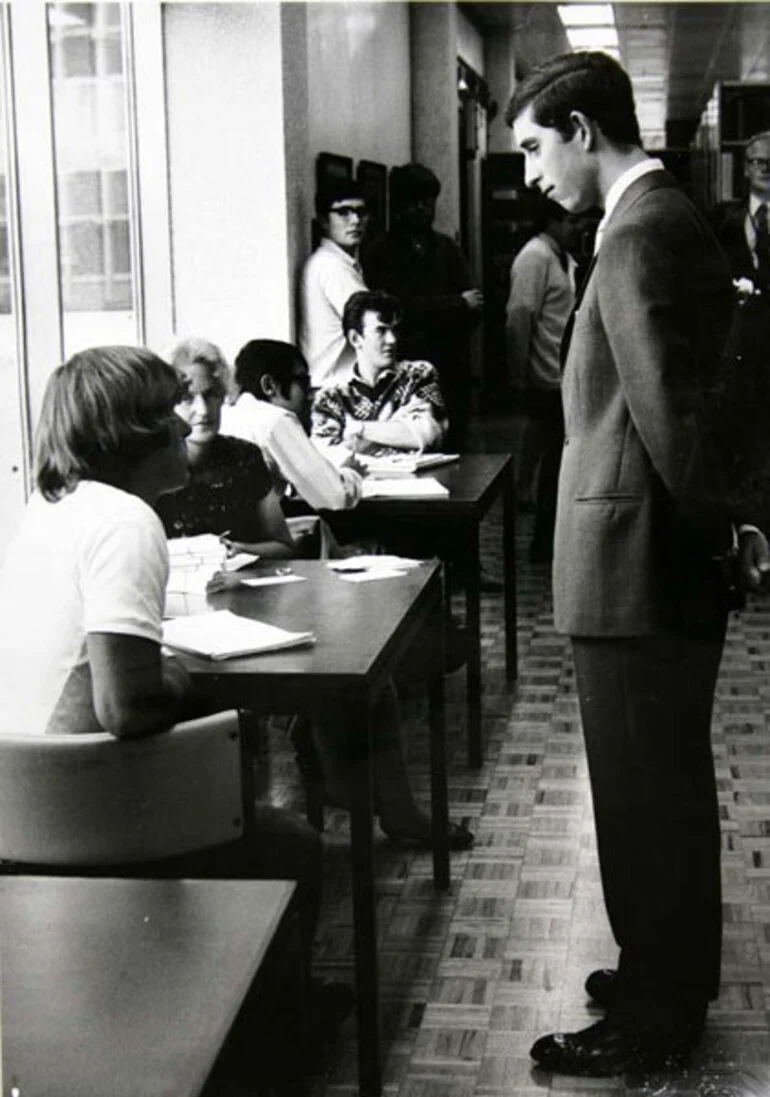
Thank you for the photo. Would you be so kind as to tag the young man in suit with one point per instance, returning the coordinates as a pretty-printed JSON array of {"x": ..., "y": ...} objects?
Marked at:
[{"x": 640, "y": 520}]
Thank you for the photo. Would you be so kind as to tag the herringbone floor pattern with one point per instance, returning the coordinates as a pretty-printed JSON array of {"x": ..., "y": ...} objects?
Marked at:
[{"x": 471, "y": 978}]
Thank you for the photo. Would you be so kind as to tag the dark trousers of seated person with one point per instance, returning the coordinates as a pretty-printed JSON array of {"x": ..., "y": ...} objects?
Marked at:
[{"x": 646, "y": 706}]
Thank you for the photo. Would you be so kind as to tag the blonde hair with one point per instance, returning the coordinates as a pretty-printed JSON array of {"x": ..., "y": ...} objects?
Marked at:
[{"x": 194, "y": 350}]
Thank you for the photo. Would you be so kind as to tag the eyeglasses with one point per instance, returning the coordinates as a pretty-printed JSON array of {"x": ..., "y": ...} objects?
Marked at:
[
  {"x": 350, "y": 211},
  {"x": 762, "y": 162}
]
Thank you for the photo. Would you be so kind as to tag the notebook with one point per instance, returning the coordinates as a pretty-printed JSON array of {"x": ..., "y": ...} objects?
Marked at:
[
  {"x": 225, "y": 635},
  {"x": 406, "y": 464},
  {"x": 408, "y": 487}
]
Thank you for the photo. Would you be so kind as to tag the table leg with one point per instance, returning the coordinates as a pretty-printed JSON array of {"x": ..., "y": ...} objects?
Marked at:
[
  {"x": 509, "y": 573},
  {"x": 473, "y": 626},
  {"x": 364, "y": 914},
  {"x": 438, "y": 766}
]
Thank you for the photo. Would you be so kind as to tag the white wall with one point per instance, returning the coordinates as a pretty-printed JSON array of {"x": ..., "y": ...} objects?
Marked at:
[
  {"x": 227, "y": 171},
  {"x": 470, "y": 44},
  {"x": 358, "y": 81}
]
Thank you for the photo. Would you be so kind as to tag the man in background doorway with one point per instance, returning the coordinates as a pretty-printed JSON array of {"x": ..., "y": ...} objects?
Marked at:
[
  {"x": 329, "y": 277},
  {"x": 429, "y": 275},
  {"x": 541, "y": 298}
]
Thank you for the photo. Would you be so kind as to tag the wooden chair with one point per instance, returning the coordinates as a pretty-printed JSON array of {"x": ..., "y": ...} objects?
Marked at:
[{"x": 96, "y": 800}]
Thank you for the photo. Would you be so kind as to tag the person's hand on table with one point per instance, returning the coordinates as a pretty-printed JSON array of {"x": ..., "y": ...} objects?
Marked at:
[
  {"x": 353, "y": 436},
  {"x": 351, "y": 462}
]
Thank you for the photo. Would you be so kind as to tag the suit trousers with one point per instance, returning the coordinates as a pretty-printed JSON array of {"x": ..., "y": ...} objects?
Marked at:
[{"x": 646, "y": 706}]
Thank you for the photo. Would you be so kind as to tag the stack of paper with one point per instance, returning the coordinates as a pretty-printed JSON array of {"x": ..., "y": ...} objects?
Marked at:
[
  {"x": 194, "y": 561},
  {"x": 404, "y": 464},
  {"x": 224, "y": 635},
  {"x": 408, "y": 487}
]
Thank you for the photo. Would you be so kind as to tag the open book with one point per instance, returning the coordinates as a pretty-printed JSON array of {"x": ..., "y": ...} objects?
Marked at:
[
  {"x": 404, "y": 464},
  {"x": 223, "y": 635}
]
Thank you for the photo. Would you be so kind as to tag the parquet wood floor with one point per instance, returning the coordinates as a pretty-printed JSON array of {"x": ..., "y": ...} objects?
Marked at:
[{"x": 471, "y": 978}]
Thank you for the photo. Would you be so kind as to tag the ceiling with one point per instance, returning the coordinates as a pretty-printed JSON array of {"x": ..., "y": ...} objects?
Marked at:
[{"x": 673, "y": 52}]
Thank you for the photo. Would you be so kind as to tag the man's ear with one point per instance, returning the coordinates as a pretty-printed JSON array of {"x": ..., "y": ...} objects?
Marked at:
[
  {"x": 354, "y": 338},
  {"x": 585, "y": 128},
  {"x": 268, "y": 385}
]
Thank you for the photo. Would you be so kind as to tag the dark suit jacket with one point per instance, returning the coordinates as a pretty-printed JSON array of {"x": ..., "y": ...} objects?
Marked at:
[
  {"x": 641, "y": 509},
  {"x": 729, "y": 223}
]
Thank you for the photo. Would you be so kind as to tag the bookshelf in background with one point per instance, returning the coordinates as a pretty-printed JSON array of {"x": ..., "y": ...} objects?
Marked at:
[{"x": 734, "y": 112}]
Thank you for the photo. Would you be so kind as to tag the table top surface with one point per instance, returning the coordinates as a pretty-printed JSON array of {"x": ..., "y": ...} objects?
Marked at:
[
  {"x": 357, "y": 624},
  {"x": 472, "y": 481},
  {"x": 126, "y": 987}
]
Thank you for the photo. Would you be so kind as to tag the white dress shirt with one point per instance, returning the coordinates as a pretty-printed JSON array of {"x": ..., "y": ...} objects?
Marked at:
[
  {"x": 290, "y": 456},
  {"x": 329, "y": 278}
]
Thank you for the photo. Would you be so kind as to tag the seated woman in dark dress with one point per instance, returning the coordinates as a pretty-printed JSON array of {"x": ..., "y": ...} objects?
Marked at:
[{"x": 229, "y": 492}]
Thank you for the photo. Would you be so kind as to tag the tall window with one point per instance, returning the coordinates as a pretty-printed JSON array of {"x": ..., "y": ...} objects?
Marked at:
[{"x": 92, "y": 158}]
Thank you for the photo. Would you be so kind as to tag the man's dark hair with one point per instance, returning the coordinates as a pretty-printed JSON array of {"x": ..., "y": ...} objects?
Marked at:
[
  {"x": 267, "y": 358},
  {"x": 587, "y": 81},
  {"x": 358, "y": 304},
  {"x": 335, "y": 192},
  {"x": 413, "y": 181}
]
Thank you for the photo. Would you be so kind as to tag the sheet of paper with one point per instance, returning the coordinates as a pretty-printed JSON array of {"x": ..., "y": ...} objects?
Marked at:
[
  {"x": 364, "y": 562},
  {"x": 369, "y": 576},
  {"x": 271, "y": 580},
  {"x": 418, "y": 487}
]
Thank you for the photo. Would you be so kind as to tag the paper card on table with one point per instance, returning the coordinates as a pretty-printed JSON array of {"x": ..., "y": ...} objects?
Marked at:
[
  {"x": 364, "y": 562},
  {"x": 372, "y": 574},
  {"x": 418, "y": 487},
  {"x": 224, "y": 635},
  {"x": 271, "y": 580}
]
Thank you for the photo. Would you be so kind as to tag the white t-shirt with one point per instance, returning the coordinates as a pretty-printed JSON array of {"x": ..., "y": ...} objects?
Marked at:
[{"x": 94, "y": 561}]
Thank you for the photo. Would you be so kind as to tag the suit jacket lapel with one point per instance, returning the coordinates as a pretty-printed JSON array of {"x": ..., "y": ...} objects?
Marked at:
[{"x": 639, "y": 186}]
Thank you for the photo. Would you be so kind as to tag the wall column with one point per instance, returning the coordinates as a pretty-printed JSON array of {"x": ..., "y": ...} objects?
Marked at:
[{"x": 433, "y": 59}]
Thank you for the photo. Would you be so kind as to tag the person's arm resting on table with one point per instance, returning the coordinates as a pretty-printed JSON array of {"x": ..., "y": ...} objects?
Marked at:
[
  {"x": 303, "y": 465},
  {"x": 136, "y": 691}
]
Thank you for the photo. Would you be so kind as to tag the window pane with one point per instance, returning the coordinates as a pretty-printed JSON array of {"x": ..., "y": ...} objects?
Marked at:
[
  {"x": 12, "y": 455},
  {"x": 92, "y": 163}
]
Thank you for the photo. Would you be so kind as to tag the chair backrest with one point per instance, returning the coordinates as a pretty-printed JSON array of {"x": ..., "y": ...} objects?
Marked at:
[{"x": 96, "y": 800}]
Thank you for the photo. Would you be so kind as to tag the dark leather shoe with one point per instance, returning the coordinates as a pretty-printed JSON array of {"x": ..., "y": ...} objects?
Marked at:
[
  {"x": 460, "y": 838},
  {"x": 604, "y": 1050},
  {"x": 601, "y": 987}
]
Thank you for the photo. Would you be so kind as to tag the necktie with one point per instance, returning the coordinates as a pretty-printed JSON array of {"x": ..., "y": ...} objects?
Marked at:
[{"x": 762, "y": 246}]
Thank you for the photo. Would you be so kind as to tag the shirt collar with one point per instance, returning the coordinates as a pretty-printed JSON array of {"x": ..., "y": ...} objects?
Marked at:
[
  {"x": 621, "y": 185},
  {"x": 384, "y": 375},
  {"x": 755, "y": 202},
  {"x": 329, "y": 245}
]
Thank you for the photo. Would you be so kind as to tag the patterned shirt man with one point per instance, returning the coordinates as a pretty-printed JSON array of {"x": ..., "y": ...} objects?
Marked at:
[{"x": 407, "y": 393}]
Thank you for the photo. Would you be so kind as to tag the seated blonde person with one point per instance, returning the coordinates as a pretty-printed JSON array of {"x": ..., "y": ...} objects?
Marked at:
[{"x": 229, "y": 492}]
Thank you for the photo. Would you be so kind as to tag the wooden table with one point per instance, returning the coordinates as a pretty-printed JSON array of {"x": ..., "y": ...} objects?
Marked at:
[
  {"x": 363, "y": 632},
  {"x": 475, "y": 481},
  {"x": 126, "y": 987}
]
